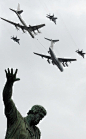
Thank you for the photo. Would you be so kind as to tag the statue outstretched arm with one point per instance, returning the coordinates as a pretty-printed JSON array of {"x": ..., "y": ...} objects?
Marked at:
[
  {"x": 10, "y": 109},
  {"x": 11, "y": 78}
]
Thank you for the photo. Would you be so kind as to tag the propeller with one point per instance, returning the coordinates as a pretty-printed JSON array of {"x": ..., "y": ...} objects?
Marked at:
[
  {"x": 48, "y": 61},
  {"x": 38, "y": 31}
]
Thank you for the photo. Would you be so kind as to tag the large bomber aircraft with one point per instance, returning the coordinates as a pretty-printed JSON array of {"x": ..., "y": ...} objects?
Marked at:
[
  {"x": 55, "y": 61},
  {"x": 80, "y": 52},
  {"x": 52, "y": 18},
  {"x": 24, "y": 27}
]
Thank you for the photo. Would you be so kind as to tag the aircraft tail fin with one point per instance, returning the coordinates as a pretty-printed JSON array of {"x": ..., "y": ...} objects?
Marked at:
[
  {"x": 53, "y": 41},
  {"x": 18, "y": 9}
]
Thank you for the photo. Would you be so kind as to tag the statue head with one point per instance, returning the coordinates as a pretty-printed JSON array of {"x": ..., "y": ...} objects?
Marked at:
[{"x": 37, "y": 112}]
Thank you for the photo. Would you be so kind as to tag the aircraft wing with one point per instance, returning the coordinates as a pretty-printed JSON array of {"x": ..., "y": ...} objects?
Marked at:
[
  {"x": 45, "y": 56},
  {"x": 15, "y": 24},
  {"x": 54, "y": 20},
  {"x": 66, "y": 59},
  {"x": 20, "y": 26},
  {"x": 32, "y": 28}
]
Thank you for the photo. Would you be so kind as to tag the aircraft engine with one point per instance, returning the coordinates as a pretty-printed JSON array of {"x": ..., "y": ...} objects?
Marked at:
[
  {"x": 17, "y": 28},
  {"x": 52, "y": 62},
  {"x": 35, "y": 33},
  {"x": 23, "y": 30},
  {"x": 49, "y": 52},
  {"x": 63, "y": 64},
  {"x": 48, "y": 61},
  {"x": 38, "y": 31},
  {"x": 66, "y": 64}
]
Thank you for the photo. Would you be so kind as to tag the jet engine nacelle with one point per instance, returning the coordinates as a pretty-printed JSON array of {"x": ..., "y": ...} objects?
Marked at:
[
  {"x": 23, "y": 31},
  {"x": 17, "y": 28},
  {"x": 49, "y": 52},
  {"x": 66, "y": 64},
  {"x": 48, "y": 61},
  {"x": 35, "y": 33},
  {"x": 38, "y": 31},
  {"x": 32, "y": 30},
  {"x": 63, "y": 64},
  {"x": 52, "y": 62}
]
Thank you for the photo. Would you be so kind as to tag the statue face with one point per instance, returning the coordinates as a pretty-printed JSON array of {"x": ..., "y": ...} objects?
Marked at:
[{"x": 37, "y": 118}]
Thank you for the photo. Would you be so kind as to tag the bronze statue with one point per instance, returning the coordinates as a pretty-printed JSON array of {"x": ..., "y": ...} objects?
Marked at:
[{"x": 19, "y": 127}]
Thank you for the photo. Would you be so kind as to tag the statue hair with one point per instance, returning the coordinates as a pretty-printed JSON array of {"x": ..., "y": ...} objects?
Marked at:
[{"x": 37, "y": 109}]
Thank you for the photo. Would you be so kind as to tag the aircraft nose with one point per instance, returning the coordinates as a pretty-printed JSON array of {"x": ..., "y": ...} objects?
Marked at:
[{"x": 62, "y": 70}]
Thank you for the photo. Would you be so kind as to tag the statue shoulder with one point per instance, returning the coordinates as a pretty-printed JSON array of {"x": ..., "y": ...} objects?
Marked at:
[{"x": 37, "y": 130}]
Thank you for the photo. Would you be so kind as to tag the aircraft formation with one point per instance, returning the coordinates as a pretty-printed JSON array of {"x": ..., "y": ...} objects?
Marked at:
[
  {"x": 51, "y": 58},
  {"x": 23, "y": 27}
]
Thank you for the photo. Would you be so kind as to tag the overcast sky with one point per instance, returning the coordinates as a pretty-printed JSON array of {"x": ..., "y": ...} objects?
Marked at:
[{"x": 63, "y": 94}]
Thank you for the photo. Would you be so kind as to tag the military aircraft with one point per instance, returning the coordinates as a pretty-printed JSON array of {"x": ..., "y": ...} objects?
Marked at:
[
  {"x": 80, "y": 52},
  {"x": 52, "y": 18},
  {"x": 15, "y": 39},
  {"x": 24, "y": 27},
  {"x": 55, "y": 61}
]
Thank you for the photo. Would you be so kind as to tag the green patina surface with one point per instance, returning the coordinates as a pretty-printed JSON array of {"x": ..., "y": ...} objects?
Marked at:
[{"x": 19, "y": 127}]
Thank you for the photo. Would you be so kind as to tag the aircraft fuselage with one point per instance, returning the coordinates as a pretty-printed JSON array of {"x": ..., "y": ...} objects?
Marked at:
[
  {"x": 55, "y": 60},
  {"x": 22, "y": 21}
]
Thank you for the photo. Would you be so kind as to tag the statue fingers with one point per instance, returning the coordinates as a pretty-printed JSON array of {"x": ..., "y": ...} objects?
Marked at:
[
  {"x": 16, "y": 72},
  {"x": 6, "y": 72},
  {"x": 11, "y": 71}
]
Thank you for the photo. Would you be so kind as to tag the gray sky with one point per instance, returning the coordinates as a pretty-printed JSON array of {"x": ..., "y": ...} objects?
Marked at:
[{"x": 62, "y": 94}]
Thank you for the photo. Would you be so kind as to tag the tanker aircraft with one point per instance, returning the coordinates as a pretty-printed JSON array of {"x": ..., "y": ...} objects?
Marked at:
[
  {"x": 80, "y": 52},
  {"x": 15, "y": 39},
  {"x": 55, "y": 61},
  {"x": 52, "y": 18},
  {"x": 24, "y": 27}
]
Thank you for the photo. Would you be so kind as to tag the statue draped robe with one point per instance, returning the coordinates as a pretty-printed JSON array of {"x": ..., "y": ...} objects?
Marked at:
[{"x": 17, "y": 126}]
